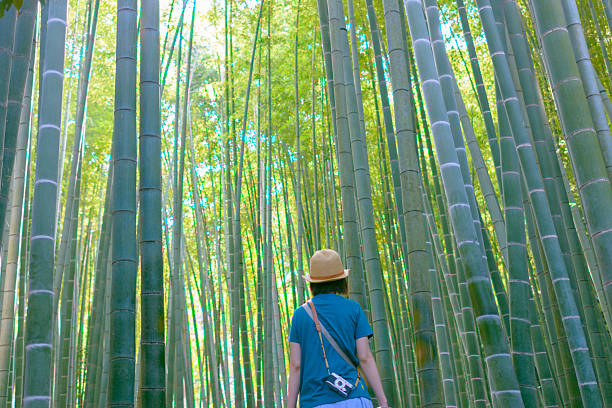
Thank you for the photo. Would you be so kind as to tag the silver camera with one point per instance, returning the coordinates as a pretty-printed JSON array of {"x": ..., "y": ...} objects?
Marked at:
[{"x": 339, "y": 384}]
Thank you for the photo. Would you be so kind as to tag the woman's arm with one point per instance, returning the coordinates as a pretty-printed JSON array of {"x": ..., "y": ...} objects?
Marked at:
[
  {"x": 295, "y": 356},
  {"x": 368, "y": 365}
]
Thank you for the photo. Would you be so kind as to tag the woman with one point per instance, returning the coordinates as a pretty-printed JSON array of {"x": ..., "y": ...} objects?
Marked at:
[{"x": 318, "y": 372}]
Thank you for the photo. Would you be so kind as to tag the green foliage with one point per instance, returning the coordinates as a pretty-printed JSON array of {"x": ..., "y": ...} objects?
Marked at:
[{"x": 5, "y": 5}]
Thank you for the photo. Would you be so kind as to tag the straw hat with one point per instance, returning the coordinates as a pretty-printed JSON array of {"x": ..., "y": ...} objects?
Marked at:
[{"x": 325, "y": 266}]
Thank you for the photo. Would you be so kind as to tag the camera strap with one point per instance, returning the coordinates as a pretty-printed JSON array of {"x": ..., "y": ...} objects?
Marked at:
[{"x": 312, "y": 312}]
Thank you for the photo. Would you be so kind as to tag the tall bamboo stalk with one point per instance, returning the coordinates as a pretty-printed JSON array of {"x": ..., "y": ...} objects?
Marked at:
[
  {"x": 122, "y": 345},
  {"x": 37, "y": 380},
  {"x": 153, "y": 373}
]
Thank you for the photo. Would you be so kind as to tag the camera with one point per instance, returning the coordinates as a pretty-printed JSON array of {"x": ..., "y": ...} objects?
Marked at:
[{"x": 339, "y": 384}]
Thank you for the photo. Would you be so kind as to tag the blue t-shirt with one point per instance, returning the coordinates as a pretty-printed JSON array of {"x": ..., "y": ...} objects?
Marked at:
[{"x": 346, "y": 322}]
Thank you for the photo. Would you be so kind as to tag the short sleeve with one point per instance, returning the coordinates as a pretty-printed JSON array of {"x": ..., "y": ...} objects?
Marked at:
[
  {"x": 362, "y": 329},
  {"x": 294, "y": 331}
]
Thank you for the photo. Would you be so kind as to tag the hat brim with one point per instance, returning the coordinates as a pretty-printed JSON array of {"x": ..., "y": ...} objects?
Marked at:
[{"x": 328, "y": 279}]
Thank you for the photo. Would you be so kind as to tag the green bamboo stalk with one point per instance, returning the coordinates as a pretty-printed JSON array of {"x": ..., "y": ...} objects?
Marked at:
[
  {"x": 268, "y": 349},
  {"x": 290, "y": 234},
  {"x": 249, "y": 303},
  {"x": 402, "y": 343},
  {"x": 184, "y": 349},
  {"x": 449, "y": 378},
  {"x": 230, "y": 231},
  {"x": 549, "y": 391},
  {"x": 178, "y": 33},
  {"x": 604, "y": 97},
  {"x": 298, "y": 186},
  {"x": 221, "y": 327},
  {"x": 238, "y": 260},
  {"x": 308, "y": 216},
  {"x": 37, "y": 385},
  {"x": 518, "y": 276},
  {"x": 81, "y": 262},
  {"x": 152, "y": 367},
  {"x": 446, "y": 260},
  {"x": 315, "y": 160},
  {"x": 204, "y": 279},
  {"x": 163, "y": 48},
  {"x": 258, "y": 239},
  {"x": 18, "y": 350},
  {"x": 600, "y": 37},
  {"x": 280, "y": 250},
  {"x": 393, "y": 304},
  {"x": 124, "y": 247},
  {"x": 95, "y": 340},
  {"x": 458, "y": 367},
  {"x": 102, "y": 378},
  {"x": 85, "y": 297},
  {"x": 444, "y": 324},
  {"x": 334, "y": 187},
  {"x": 278, "y": 337},
  {"x": 171, "y": 359},
  {"x": 560, "y": 357},
  {"x": 195, "y": 331},
  {"x": 79, "y": 350},
  {"x": 189, "y": 394},
  {"x": 67, "y": 315},
  {"x": 608, "y": 11}
]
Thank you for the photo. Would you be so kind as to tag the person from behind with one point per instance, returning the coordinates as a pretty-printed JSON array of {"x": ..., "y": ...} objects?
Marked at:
[{"x": 329, "y": 343}]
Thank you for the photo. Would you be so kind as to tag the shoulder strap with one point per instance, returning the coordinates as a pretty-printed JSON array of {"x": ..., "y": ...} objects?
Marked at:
[{"x": 312, "y": 312}]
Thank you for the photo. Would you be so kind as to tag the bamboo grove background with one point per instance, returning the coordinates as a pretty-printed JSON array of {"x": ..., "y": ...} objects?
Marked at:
[{"x": 168, "y": 169}]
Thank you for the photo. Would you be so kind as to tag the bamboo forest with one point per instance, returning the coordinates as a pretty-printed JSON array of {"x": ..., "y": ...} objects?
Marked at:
[{"x": 168, "y": 168}]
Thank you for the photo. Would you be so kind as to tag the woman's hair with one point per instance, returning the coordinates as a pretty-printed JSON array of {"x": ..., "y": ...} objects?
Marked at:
[{"x": 339, "y": 287}]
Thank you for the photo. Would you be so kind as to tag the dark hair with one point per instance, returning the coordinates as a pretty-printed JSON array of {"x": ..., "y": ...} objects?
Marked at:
[{"x": 339, "y": 287}]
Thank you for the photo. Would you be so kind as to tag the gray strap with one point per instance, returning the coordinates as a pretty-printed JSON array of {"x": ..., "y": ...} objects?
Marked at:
[{"x": 329, "y": 338}]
